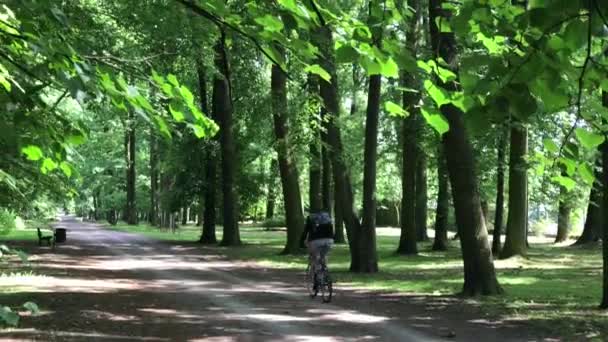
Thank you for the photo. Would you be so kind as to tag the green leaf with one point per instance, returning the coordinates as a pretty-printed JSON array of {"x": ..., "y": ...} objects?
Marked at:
[
  {"x": 434, "y": 118},
  {"x": 569, "y": 164},
  {"x": 270, "y": 23},
  {"x": 162, "y": 126},
  {"x": 389, "y": 68},
  {"x": 439, "y": 95},
  {"x": 76, "y": 139},
  {"x": 346, "y": 54},
  {"x": 586, "y": 173},
  {"x": 394, "y": 109},
  {"x": 566, "y": 182},
  {"x": 32, "y": 308},
  {"x": 8, "y": 316},
  {"x": 48, "y": 164},
  {"x": 66, "y": 168},
  {"x": 550, "y": 145},
  {"x": 199, "y": 131},
  {"x": 177, "y": 114},
  {"x": 32, "y": 152},
  {"x": 173, "y": 80},
  {"x": 186, "y": 95},
  {"x": 588, "y": 140},
  {"x": 575, "y": 34},
  {"x": 318, "y": 70}
]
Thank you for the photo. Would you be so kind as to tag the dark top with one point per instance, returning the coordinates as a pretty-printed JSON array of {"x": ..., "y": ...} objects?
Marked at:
[{"x": 318, "y": 226}]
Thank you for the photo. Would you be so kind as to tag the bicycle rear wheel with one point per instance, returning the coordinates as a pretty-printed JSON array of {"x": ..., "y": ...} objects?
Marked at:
[
  {"x": 327, "y": 287},
  {"x": 309, "y": 280}
]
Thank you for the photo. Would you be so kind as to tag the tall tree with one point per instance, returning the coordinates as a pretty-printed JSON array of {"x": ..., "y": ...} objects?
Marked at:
[
  {"x": 443, "y": 203},
  {"x": 208, "y": 194},
  {"x": 517, "y": 218},
  {"x": 479, "y": 272},
  {"x": 367, "y": 235},
  {"x": 222, "y": 110},
  {"x": 563, "y": 216},
  {"x": 500, "y": 190},
  {"x": 409, "y": 134},
  {"x": 287, "y": 166},
  {"x": 131, "y": 208},
  {"x": 421, "y": 197},
  {"x": 592, "y": 229},
  {"x": 604, "y": 149},
  {"x": 271, "y": 194},
  {"x": 315, "y": 195},
  {"x": 153, "y": 216},
  {"x": 331, "y": 100}
]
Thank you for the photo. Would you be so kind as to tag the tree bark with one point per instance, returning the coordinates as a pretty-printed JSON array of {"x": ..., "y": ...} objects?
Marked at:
[
  {"x": 131, "y": 214},
  {"x": 353, "y": 104},
  {"x": 326, "y": 185},
  {"x": 153, "y": 216},
  {"x": 315, "y": 197},
  {"x": 515, "y": 240},
  {"x": 287, "y": 166},
  {"x": 338, "y": 225},
  {"x": 443, "y": 204},
  {"x": 604, "y": 149},
  {"x": 222, "y": 110},
  {"x": 563, "y": 221},
  {"x": 208, "y": 195},
  {"x": 479, "y": 272},
  {"x": 409, "y": 133},
  {"x": 331, "y": 99},
  {"x": 421, "y": 198},
  {"x": 500, "y": 191},
  {"x": 272, "y": 195},
  {"x": 593, "y": 222},
  {"x": 367, "y": 235}
]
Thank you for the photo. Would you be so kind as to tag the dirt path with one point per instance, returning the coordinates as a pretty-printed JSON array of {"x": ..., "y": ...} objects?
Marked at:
[{"x": 112, "y": 286}]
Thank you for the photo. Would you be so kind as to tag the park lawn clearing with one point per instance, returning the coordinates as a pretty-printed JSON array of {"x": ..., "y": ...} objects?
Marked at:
[{"x": 553, "y": 282}]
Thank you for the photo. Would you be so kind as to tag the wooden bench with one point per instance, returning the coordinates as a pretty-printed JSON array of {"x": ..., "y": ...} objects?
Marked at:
[{"x": 48, "y": 239}]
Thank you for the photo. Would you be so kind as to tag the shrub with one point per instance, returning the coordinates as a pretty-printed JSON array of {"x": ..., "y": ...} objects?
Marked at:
[
  {"x": 7, "y": 221},
  {"x": 274, "y": 222}
]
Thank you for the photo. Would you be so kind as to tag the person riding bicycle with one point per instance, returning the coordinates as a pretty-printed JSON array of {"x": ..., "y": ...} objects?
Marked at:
[{"x": 318, "y": 236}]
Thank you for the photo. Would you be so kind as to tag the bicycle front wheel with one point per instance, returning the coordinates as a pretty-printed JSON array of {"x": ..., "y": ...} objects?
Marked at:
[{"x": 327, "y": 288}]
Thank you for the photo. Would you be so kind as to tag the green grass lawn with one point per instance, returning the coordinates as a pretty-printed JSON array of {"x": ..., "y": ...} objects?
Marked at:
[
  {"x": 556, "y": 288},
  {"x": 28, "y": 232}
]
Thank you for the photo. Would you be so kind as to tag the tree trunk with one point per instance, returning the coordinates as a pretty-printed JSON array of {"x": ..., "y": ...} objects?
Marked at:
[
  {"x": 315, "y": 168},
  {"x": 515, "y": 240},
  {"x": 222, "y": 110},
  {"x": 604, "y": 149},
  {"x": 353, "y": 104},
  {"x": 443, "y": 204},
  {"x": 326, "y": 186},
  {"x": 272, "y": 195},
  {"x": 367, "y": 235},
  {"x": 500, "y": 191},
  {"x": 207, "y": 195},
  {"x": 563, "y": 221},
  {"x": 409, "y": 133},
  {"x": 593, "y": 222},
  {"x": 153, "y": 216},
  {"x": 131, "y": 213},
  {"x": 479, "y": 272},
  {"x": 331, "y": 99},
  {"x": 421, "y": 198},
  {"x": 338, "y": 225},
  {"x": 287, "y": 166}
]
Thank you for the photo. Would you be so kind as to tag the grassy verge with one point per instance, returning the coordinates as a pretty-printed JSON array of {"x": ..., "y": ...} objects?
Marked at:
[
  {"x": 28, "y": 232},
  {"x": 552, "y": 283}
]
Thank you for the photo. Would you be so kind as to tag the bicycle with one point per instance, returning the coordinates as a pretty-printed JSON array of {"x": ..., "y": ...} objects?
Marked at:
[{"x": 321, "y": 279}]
